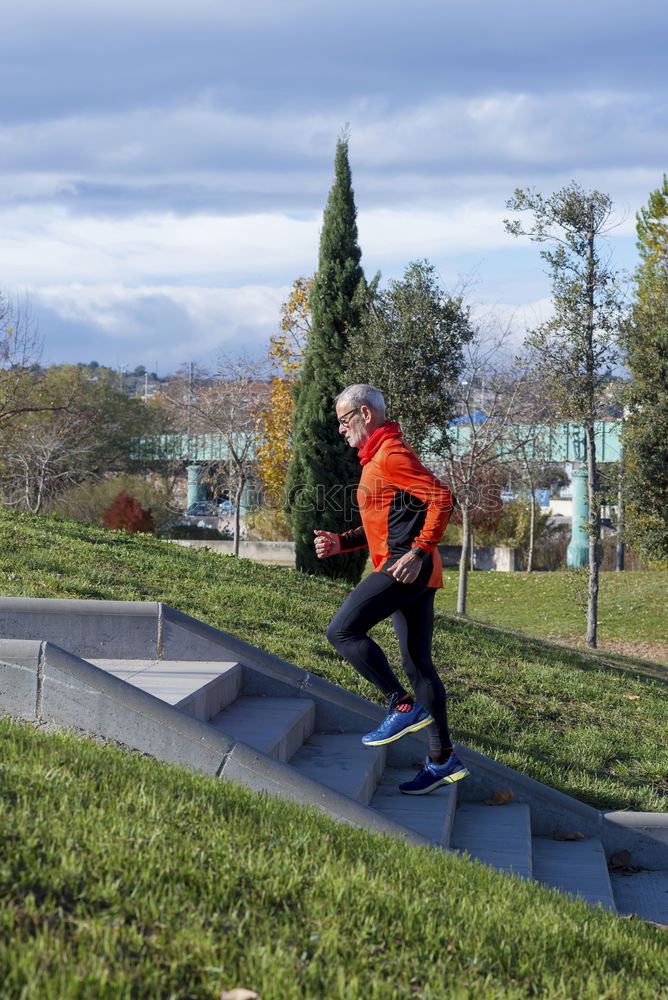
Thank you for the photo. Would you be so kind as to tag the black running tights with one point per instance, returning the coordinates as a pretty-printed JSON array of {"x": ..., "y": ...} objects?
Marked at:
[{"x": 411, "y": 607}]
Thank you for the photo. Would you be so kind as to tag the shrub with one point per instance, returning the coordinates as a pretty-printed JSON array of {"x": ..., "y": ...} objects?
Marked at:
[{"x": 128, "y": 514}]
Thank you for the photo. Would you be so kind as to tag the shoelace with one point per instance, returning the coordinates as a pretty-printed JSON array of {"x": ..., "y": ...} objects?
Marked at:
[{"x": 424, "y": 769}]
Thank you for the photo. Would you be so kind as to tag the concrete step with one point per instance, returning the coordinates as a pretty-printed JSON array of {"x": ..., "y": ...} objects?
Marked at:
[
  {"x": 340, "y": 761},
  {"x": 178, "y": 681},
  {"x": 499, "y": 836},
  {"x": 643, "y": 893},
  {"x": 429, "y": 815},
  {"x": 578, "y": 867},
  {"x": 276, "y": 726}
]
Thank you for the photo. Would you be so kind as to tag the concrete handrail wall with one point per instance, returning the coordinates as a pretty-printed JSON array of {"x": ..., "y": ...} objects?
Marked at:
[{"x": 270, "y": 552}]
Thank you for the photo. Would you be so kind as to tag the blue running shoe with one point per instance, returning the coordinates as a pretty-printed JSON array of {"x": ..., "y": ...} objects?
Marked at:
[
  {"x": 397, "y": 724},
  {"x": 432, "y": 775}
]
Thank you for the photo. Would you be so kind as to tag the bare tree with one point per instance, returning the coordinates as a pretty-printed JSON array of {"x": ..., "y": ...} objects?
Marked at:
[
  {"x": 226, "y": 403},
  {"x": 42, "y": 460},
  {"x": 20, "y": 354},
  {"x": 480, "y": 438},
  {"x": 533, "y": 414}
]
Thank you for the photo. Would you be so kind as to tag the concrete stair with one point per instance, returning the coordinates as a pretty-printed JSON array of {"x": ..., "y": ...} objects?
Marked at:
[
  {"x": 499, "y": 836},
  {"x": 577, "y": 867},
  {"x": 276, "y": 726},
  {"x": 340, "y": 762},
  {"x": 208, "y": 700}
]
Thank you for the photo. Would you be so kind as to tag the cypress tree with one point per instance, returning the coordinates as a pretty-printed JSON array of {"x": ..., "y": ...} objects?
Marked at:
[{"x": 324, "y": 470}]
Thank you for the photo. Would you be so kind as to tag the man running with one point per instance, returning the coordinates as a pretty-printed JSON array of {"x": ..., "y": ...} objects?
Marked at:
[{"x": 404, "y": 510}]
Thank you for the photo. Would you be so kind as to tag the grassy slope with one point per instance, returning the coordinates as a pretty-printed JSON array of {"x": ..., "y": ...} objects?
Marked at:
[
  {"x": 632, "y": 607},
  {"x": 126, "y": 879}
]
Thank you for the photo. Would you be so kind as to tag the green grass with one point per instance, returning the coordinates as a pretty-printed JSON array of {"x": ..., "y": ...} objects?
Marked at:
[
  {"x": 593, "y": 726},
  {"x": 632, "y": 607},
  {"x": 123, "y": 878}
]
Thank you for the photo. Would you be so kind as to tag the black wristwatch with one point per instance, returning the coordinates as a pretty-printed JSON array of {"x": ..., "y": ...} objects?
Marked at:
[{"x": 419, "y": 552}]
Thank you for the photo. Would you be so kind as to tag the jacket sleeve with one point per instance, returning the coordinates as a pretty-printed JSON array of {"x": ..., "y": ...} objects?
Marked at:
[
  {"x": 405, "y": 471},
  {"x": 353, "y": 540}
]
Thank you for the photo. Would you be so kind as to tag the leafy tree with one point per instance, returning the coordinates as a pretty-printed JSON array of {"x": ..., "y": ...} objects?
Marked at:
[
  {"x": 323, "y": 470},
  {"x": 127, "y": 514},
  {"x": 646, "y": 427},
  {"x": 286, "y": 356},
  {"x": 575, "y": 351},
  {"x": 523, "y": 525},
  {"x": 410, "y": 347}
]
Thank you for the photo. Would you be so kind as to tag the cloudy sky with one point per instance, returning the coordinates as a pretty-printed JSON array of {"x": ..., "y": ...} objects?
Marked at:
[{"x": 165, "y": 165}]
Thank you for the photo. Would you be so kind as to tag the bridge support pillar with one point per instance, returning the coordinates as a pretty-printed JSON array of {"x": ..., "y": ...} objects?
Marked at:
[
  {"x": 577, "y": 553},
  {"x": 196, "y": 489}
]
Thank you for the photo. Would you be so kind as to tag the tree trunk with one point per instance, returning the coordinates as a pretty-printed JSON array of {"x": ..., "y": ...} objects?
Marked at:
[
  {"x": 237, "y": 513},
  {"x": 532, "y": 522},
  {"x": 463, "y": 562},
  {"x": 593, "y": 514},
  {"x": 532, "y": 535},
  {"x": 594, "y": 531},
  {"x": 621, "y": 545}
]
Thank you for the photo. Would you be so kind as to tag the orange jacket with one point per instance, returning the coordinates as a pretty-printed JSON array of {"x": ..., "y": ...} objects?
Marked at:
[{"x": 402, "y": 505}]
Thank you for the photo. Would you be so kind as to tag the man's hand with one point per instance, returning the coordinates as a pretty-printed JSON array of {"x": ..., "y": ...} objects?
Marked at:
[
  {"x": 407, "y": 569},
  {"x": 327, "y": 543}
]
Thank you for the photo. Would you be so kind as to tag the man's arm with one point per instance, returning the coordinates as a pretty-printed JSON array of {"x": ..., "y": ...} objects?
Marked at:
[{"x": 329, "y": 543}]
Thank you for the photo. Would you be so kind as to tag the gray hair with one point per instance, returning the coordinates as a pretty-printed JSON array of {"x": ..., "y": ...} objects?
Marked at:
[{"x": 363, "y": 395}]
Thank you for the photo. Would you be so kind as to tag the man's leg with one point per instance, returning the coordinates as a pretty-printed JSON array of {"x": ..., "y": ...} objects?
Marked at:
[
  {"x": 375, "y": 598},
  {"x": 414, "y": 626}
]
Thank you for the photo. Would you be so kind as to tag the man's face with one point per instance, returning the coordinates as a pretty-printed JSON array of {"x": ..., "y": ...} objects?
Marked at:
[{"x": 355, "y": 423}]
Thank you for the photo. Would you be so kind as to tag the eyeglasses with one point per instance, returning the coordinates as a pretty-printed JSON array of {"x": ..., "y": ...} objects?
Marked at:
[{"x": 347, "y": 417}]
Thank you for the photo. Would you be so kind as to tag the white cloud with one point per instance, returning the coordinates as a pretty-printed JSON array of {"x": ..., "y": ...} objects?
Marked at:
[
  {"x": 203, "y": 306},
  {"x": 163, "y": 322},
  {"x": 43, "y": 247},
  {"x": 388, "y": 235}
]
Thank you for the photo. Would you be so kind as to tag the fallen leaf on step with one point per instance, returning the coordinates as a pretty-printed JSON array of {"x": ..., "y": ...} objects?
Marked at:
[
  {"x": 239, "y": 993},
  {"x": 560, "y": 835},
  {"x": 500, "y": 798}
]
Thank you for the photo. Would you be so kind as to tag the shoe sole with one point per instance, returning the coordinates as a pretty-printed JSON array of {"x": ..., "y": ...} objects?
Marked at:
[
  {"x": 404, "y": 732},
  {"x": 457, "y": 776}
]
